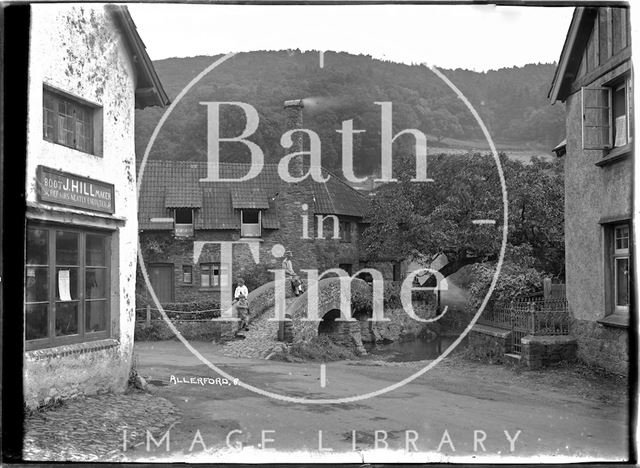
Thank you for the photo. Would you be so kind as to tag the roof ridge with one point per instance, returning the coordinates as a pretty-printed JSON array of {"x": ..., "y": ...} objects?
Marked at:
[{"x": 344, "y": 183}]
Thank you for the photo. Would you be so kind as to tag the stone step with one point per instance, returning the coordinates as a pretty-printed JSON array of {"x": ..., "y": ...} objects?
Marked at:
[{"x": 512, "y": 357}]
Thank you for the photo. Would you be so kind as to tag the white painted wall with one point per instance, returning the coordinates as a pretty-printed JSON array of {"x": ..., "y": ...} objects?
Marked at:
[{"x": 78, "y": 49}]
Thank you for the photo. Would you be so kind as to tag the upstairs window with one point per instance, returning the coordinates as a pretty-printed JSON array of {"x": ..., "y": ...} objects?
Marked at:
[
  {"x": 183, "y": 222},
  {"x": 620, "y": 115},
  {"x": 607, "y": 116},
  {"x": 250, "y": 223},
  {"x": 68, "y": 122}
]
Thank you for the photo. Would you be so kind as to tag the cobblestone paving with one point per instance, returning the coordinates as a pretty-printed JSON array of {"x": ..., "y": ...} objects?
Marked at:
[
  {"x": 259, "y": 340},
  {"x": 92, "y": 428}
]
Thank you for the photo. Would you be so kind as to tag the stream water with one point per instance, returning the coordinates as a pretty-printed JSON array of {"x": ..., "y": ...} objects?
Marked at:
[{"x": 414, "y": 350}]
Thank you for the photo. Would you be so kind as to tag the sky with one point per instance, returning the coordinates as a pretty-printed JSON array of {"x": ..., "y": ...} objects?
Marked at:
[{"x": 475, "y": 37}]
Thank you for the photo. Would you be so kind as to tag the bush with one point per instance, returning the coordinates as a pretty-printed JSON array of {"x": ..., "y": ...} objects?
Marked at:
[
  {"x": 361, "y": 302},
  {"x": 392, "y": 299},
  {"x": 156, "y": 331},
  {"x": 319, "y": 348},
  {"x": 515, "y": 279},
  {"x": 175, "y": 310},
  {"x": 255, "y": 276}
]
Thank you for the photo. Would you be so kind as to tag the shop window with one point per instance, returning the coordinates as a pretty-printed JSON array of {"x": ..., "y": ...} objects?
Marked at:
[
  {"x": 69, "y": 122},
  {"x": 607, "y": 116},
  {"x": 213, "y": 275},
  {"x": 250, "y": 225},
  {"x": 187, "y": 274},
  {"x": 66, "y": 286}
]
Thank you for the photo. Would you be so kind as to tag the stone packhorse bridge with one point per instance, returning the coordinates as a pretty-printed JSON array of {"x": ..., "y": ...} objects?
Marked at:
[{"x": 348, "y": 333}]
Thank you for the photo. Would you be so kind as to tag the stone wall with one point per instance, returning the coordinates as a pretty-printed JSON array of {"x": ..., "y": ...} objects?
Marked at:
[
  {"x": 400, "y": 327},
  {"x": 602, "y": 346},
  {"x": 207, "y": 330},
  {"x": 488, "y": 343},
  {"x": 540, "y": 351},
  {"x": 72, "y": 370}
]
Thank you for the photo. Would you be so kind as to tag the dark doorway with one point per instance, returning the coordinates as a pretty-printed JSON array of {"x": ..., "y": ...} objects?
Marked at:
[{"x": 161, "y": 277}]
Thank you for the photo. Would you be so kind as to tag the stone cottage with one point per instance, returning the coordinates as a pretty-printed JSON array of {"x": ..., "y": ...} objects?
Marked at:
[
  {"x": 594, "y": 78},
  {"x": 182, "y": 218},
  {"x": 88, "y": 71}
]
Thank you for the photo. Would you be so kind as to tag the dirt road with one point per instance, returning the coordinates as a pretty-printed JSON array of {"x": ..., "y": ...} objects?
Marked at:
[{"x": 456, "y": 411}]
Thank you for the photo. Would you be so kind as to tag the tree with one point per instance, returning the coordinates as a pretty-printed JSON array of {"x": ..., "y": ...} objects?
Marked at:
[
  {"x": 440, "y": 123},
  {"x": 418, "y": 220}
]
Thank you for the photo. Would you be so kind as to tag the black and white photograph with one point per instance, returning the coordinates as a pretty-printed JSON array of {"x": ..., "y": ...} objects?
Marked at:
[{"x": 333, "y": 232}]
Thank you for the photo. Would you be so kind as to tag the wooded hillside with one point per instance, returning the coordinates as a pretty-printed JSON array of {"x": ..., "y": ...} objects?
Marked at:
[{"x": 511, "y": 101}]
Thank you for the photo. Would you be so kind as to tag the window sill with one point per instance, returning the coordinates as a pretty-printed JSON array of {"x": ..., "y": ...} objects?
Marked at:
[
  {"x": 251, "y": 239},
  {"x": 615, "y": 155},
  {"x": 616, "y": 320},
  {"x": 86, "y": 153},
  {"x": 66, "y": 350}
]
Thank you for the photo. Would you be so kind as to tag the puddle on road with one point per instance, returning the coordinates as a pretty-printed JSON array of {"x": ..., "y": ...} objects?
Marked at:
[{"x": 414, "y": 350}]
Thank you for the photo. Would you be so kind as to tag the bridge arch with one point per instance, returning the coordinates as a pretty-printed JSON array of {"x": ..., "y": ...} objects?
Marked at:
[{"x": 329, "y": 294}]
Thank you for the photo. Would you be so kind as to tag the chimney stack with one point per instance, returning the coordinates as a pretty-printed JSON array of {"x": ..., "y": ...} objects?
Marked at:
[{"x": 294, "y": 121}]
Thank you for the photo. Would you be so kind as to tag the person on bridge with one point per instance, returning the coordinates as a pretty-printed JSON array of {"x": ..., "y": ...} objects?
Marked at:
[
  {"x": 289, "y": 272},
  {"x": 242, "y": 305}
]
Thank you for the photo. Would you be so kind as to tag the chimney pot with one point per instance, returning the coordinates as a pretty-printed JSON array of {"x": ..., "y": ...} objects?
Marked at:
[{"x": 293, "y": 103}]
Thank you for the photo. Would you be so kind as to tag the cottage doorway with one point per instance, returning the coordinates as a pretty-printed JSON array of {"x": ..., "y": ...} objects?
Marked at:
[{"x": 161, "y": 276}]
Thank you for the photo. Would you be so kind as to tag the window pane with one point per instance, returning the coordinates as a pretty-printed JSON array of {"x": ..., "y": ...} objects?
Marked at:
[
  {"x": 66, "y": 318},
  {"x": 96, "y": 250},
  {"x": 184, "y": 215},
  {"x": 68, "y": 288},
  {"x": 216, "y": 277},
  {"x": 186, "y": 274},
  {"x": 622, "y": 281},
  {"x": 66, "y": 248},
  {"x": 620, "y": 117},
  {"x": 96, "y": 316},
  {"x": 37, "y": 284},
  {"x": 250, "y": 216},
  {"x": 205, "y": 272},
  {"x": 36, "y": 324},
  {"x": 81, "y": 142},
  {"x": 622, "y": 237},
  {"x": 96, "y": 283},
  {"x": 49, "y": 124},
  {"x": 37, "y": 246}
]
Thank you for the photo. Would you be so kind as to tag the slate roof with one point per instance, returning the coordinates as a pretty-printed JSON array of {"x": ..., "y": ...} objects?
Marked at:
[{"x": 166, "y": 183}]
